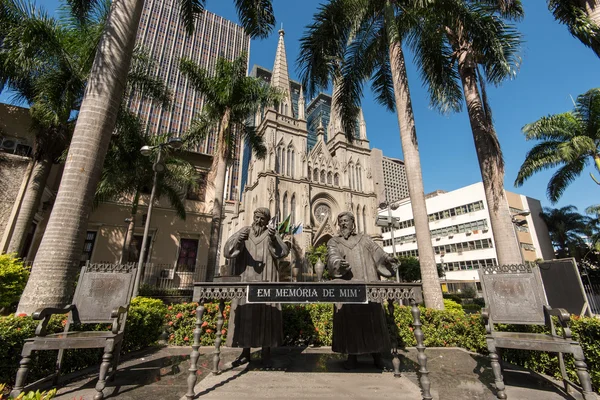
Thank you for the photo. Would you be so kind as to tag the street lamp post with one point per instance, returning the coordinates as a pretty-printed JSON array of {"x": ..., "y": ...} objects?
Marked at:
[
  {"x": 158, "y": 167},
  {"x": 392, "y": 223},
  {"x": 519, "y": 222}
]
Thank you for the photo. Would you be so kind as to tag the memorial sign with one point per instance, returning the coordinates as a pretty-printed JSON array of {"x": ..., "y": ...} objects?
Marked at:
[{"x": 307, "y": 293}]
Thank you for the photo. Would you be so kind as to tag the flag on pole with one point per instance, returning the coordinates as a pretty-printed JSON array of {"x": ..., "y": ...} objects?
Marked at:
[
  {"x": 297, "y": 229},
  {"x": 284, "y": 227}
]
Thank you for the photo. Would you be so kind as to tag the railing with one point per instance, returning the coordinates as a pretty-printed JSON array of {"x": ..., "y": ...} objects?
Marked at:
[
  {"x": 593, "y": 295},
  {"x": 168, "y": 276}
]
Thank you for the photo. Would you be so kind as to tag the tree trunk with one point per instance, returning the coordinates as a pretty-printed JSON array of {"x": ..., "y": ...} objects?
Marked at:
[
  {"x": 30, "y": 203},
  {"x": 216, "y": 177},
  {"x": 130, "y": 229},
  {"x": 57, "y": 261},
  {"x": 432, "y": 291},
  {"x": 491, "y": 164}
]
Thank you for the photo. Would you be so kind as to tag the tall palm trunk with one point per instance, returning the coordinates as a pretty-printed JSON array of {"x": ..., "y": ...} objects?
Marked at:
[
  {"x": 30, "y": 203},
  {"x": 53, "y": 274},
  {"x": 130, "y": 228},
  {"x": 432, "y": 291},
  {"x": 217, "y": 177},
  {"x": 491, "y": 163}
]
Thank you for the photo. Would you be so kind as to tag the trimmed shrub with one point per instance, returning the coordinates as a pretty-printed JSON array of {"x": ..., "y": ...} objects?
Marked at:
[
  {"x": 451, "y": 305},
  {"x": 13, "y": 278}
]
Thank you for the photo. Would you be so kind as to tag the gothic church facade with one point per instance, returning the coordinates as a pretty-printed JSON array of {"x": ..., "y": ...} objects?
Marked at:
[{"x": 310, "y": 173}]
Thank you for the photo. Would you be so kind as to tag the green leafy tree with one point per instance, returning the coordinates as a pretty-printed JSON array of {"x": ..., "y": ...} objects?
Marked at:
[
  {"x": 569, "y": 141},
  {"x": 13, "y": 277},
  {"x": 567, "y": 229},
  {"x": 410, "y": 269},
  {"x": 229, "y": 98},
  {"x": 60, "y": 249},
  {"x": 582, "y": 17},
  {"x": 353, "y": 41},
  {"x": 313, "y": 254}
]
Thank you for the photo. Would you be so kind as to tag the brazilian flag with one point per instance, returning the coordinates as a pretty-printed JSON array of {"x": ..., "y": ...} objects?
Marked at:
[{"x": 285, "y": 226}]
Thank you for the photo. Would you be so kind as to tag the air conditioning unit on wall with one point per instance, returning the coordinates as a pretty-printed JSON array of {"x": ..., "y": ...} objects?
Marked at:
[{"x": 8, "y": 144}]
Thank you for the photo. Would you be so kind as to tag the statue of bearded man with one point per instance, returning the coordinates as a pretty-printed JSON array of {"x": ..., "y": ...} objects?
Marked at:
[
  {"x": 256, "y": 250},
  {"x": 358, "y": 328}
]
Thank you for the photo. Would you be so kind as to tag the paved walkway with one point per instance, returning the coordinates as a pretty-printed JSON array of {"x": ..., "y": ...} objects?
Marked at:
[{"x": 307, "y": 373}]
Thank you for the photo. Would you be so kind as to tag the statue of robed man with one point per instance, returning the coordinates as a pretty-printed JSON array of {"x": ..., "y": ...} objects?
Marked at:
[
  {"x": 358, "y": 328},
  {"x": 256, "y": 250}
]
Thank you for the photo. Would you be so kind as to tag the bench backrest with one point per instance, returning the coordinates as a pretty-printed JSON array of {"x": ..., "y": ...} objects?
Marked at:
[
  {"x": 101, "y": 289},
  {"x": 514, "y": 294}
]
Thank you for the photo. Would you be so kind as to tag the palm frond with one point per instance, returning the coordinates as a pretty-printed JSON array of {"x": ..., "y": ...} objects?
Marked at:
[
  {"x": 256, "y": 16},
  {"x": 255, "y": 141},
  {"x": 580, "y": 25},
  {"x": 554, "y": 127},
  {"x": 190, "y": 10},
  {"x": 563, "y": 177},
  {"x": 544, "y": 155}
]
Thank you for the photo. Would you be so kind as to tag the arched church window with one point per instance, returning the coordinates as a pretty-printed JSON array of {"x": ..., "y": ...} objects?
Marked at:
[
  {"x": 329, "y": 178},
  {"x": 285, "y": 205},
  {"x": 316, "y": 175},
  {"x": 358, "y": 178},
  {"x": 323, "y": 176},
  {"x": 364, "y": 216},
  {"x": 336, "y": 179},
  {"x": 289, "y": 162},
  {"x": 293, "y": 165},
  {"x": 351, "y": 171},
  {"x": 358, "y": 221},
  {"x": 309, "y": 172}
]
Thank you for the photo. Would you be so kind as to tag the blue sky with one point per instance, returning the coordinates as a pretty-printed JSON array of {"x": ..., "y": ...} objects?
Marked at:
[{"x": 555, "y": 68}]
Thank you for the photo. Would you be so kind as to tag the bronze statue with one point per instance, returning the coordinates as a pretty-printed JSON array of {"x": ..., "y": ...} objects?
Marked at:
[
  {"x": 358, "y": 328},
  {"x": 256, "y": 250}
]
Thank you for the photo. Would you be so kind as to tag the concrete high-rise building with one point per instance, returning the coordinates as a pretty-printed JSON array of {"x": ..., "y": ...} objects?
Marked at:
[
  {"x": 461, "y": 232},
  {"x": 162, "y": 34}
]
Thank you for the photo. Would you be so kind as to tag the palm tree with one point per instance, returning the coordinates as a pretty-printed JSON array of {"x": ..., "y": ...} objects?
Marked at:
[
  {"x": 61, "y": 245},
  {"x": 349, "y": 42},
  {"x": 569, "y": 140},
  {"x": 127, "y": 173},
  {"x": 582, "y": 17},
  {"x": 567, "y": 229},
  {"x": 229, "y": 98},
  {"x": 45, "y": 63},
  {"x": 468, "y": 43}
]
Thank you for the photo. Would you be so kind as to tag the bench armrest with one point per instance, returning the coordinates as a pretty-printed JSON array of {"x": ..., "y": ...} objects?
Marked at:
[
  {"x": 44, "y": 315},
  {"x": 564, "y": 317},
  {"x": 116, "y": 315}
]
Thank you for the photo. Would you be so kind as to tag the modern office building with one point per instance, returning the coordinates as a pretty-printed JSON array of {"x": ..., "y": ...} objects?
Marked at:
[
  {"x": 461, "y": 234},
  {"x": 161, "y": 33}
]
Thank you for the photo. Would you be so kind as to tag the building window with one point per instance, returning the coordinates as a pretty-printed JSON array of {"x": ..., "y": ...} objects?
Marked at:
[
  {"x": 188, "y": 251},
  {"x": 199, "y": 192},
  {"x": 285, "y": 205},
  {"x": 88, "y": 246},
  {"x": 135, "y": 248},
  {"x": 293, "y": 209},
  {"x": 323, "y": 176},
  {"x": 336, "y": 179},
  {"x": 329, "y": 178}
]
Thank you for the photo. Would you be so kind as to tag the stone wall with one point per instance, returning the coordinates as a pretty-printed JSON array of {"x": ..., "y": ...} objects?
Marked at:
[{"x": 12, "y": 172}]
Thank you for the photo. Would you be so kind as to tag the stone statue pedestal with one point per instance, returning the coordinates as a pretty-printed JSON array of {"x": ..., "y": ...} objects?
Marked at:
[{"x": 350, "y": 292}]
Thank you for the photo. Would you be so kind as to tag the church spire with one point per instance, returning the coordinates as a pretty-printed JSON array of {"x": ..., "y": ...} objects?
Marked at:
[
  {"x": 280, "y": 77},
  {"x": 301, "y": 105},
  {"x": 362, "y": 125},
  {"x": 335, "y": 119},
  {"x": 320, "y": 130}
]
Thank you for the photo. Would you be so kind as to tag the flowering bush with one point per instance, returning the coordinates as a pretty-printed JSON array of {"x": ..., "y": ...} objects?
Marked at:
[{"x": 180, "y": 321}]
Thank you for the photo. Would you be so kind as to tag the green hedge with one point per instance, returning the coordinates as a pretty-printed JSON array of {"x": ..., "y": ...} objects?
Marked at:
[{"x": 144, "y": 326}]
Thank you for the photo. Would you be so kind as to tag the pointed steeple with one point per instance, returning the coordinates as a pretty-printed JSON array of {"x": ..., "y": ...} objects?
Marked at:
[
  {"x": 280, "y": 77},
  {"x": 320, "y": 130},
  {"x": 362, "y": 125},
  {"x": 301, "y": 105},
  {"x": 335, "y": 119}
]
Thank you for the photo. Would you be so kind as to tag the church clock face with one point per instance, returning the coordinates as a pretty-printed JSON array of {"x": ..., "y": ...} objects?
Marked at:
[{"x": 321, "y": 212}]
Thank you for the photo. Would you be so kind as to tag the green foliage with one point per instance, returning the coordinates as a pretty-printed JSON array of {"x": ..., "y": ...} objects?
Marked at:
[
  {"x": 451, "y": 305},
  {"x": 37, "y": 395},
  {"x": 314, "y": 253},
  {"x": 410, "y": 269},
  {"x": 144, "y": 325},
  {"x": 13, "y": 278}
]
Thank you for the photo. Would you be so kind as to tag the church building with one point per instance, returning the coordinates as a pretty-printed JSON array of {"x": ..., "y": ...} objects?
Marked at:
[{"x": 311, "y": 172}]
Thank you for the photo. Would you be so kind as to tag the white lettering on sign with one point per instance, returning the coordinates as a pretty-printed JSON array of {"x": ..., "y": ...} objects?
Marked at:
[
  {"x": 348, "y": 292},
  {"x": 264, "y": 292},
  {"x": 328, "y": 293},
  {"x": 299, "y": 292}
]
